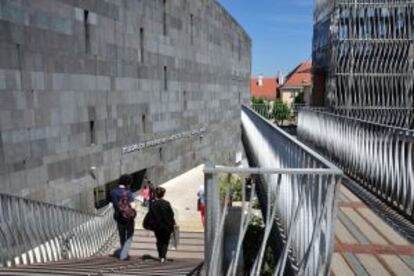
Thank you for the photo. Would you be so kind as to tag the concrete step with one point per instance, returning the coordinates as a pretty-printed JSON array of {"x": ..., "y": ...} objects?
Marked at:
[
  {"x": 105, "y": 266},
  {"x": 191, "y": 245},
  {"x": 181, "y": 247},
  {"x": 171, "y": 254},
  {"x": 186, "y": 241},
  {"x": 183, "y": 235}
]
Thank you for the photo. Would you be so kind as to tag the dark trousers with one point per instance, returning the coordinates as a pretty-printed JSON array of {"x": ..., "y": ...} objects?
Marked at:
[
  {"x": 125, "y": 231},
  {"x": 163, "y": 239}
]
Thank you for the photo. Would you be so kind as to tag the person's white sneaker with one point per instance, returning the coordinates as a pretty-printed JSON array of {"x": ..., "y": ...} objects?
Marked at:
[{"x": 162, "y": 260}]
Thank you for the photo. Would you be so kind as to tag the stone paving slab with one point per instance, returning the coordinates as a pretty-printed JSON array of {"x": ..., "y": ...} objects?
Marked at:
[{"x": 366, "y": 244}]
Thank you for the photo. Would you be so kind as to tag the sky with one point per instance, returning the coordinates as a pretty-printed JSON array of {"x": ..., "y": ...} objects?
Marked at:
[{"x": 281, "y": 32}]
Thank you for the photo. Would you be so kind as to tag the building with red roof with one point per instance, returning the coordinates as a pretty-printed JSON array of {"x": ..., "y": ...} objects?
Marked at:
[
  {"x": 264, "y": 87},
  {"x": 298, "y": 81}
]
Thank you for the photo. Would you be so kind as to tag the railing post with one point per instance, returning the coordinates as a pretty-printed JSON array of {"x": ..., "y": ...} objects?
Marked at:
[{"x": 212, "y": 218}]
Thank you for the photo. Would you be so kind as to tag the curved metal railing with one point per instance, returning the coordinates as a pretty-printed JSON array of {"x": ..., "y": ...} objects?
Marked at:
[
  {"x": 380, "y": 157},
  {"x": 36, "y": 232},
  {"x": 390, "y": 116},
  {"x": 296, "y": 194}
]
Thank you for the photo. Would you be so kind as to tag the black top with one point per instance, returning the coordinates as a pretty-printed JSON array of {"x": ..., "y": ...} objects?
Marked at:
[{"x": 163, "y": 215}]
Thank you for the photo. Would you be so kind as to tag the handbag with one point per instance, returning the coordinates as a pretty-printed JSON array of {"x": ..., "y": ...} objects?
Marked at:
[
  {"x": 149, "y": 222},
  {"x": 175, "y": 237}
]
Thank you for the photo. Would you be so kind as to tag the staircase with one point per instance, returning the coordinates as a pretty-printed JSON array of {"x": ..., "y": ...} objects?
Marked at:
[
  {"x": 107, "y": 266},
  {"x": 92, "y": 239},
  {"x": 187, "y": 259},
  {"x": 191, "y": 246}
]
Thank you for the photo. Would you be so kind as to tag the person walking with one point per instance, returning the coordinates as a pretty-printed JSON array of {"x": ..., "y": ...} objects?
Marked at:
[
  {"x": 145, "y": 193},
  {"x": 124, "y": 214},
  {"x": 201, "y": 203},
  {"x": 163, "y": 216},
  {"x": 151, "y": 191}
]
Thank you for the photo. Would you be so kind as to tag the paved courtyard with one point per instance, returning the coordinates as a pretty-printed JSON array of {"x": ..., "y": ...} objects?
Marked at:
[{"x": 181, "y": 192}]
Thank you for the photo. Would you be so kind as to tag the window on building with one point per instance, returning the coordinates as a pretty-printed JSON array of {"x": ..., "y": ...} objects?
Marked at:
[
  {"x": 192, "y": 28},
  {"x": 165, "y": 78},
  {"x": 164, "y": 17},
  {"x": 86, "y": 30},
  {"x": 239, "y": 50},
  {"x": 185, "y": 100},
  {"x": 141, "y": 44},
  {"x": 92, "y": 132},
  {"x": 160, "y": 153},
  {"x": 143, "y": 123}
]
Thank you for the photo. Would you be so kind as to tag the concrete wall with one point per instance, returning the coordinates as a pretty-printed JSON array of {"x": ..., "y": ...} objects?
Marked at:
[{"x": 80, "y": 80}]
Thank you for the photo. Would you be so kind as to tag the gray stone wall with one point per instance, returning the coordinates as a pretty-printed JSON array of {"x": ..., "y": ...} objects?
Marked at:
[{"x": 80, "y": 80}]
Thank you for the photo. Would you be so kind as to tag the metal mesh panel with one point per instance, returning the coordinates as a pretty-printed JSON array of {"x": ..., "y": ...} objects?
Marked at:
[{"x": 372, "y": 54}]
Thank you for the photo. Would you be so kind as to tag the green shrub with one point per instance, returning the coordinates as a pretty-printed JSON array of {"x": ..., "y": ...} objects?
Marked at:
[
  {"x": 233, "y": 183},
  {"x": 257, "y": 100},
  {"x": 251, "y": 247},
  {"x": 281, "y": 112}
]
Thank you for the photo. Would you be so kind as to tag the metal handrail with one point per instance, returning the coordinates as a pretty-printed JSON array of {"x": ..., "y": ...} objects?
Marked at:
[
  {"x": 295, "y": 142},
  {"x": 379, "y": 157},
  {"x": 364, "y": 118},
  {"x": 266, "y": 171},
  {"x": 296, "y": 189},
  {"x": 36, "y": 232}
]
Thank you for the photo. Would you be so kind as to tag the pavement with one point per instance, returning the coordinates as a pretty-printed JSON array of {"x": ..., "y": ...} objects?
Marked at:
[
  {"x": 181, "y": 192},
  {"x": 366, "y": 244}
]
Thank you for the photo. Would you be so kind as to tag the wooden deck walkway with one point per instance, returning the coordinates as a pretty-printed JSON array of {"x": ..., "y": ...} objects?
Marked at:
[{"x": 366, "y": 244}]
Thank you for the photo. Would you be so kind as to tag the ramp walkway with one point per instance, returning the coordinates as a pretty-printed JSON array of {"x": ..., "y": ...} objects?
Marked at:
[{"x": 366, "y": 244}]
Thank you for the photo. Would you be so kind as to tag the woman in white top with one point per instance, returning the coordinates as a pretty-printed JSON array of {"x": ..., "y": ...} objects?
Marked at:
[{"x": 201, "y": 203}]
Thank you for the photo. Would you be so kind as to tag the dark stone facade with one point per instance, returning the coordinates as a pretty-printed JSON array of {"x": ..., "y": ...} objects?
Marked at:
[{"x": 81, "y": 80}]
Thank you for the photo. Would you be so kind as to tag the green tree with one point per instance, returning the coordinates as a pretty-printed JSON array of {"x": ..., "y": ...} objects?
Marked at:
[
  {"x": 257, "y": 100},
  {"x": 233, "y": 183},
  {"x": 281, "y": 112}
]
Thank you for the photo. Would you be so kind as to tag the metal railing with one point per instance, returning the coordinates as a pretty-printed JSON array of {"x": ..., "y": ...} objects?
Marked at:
[
  {"x": 37, "y": 232},
  {"x": 379, "y": 157},
  {"x": 296, "y": 189},
  {"x": 390, "y": 116},
  {"x": 265, "y": 110},
  {"x": 268, "y": 111}
]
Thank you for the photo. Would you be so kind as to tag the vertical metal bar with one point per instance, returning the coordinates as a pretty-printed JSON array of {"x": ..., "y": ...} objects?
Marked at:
[{"x": 212, "y": 218}]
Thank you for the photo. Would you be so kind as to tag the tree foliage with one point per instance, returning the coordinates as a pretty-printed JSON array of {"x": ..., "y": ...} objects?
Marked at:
[
  {"x": 251, "y": 248},
  {"x": 257, "y": 100},
  {"x": 281, "y": 112},
  {"x": 233, "y": 183}
]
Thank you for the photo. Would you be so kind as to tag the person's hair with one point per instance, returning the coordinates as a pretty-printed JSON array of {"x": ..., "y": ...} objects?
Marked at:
[
  {"x": 126, "y": 180},
  {"x": 159, "y": 192}
]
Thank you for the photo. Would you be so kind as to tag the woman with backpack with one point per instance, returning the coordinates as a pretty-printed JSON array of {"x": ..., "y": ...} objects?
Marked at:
[
  {"x": 124, "y": 214},
  {"x": 160, "y": 219}
]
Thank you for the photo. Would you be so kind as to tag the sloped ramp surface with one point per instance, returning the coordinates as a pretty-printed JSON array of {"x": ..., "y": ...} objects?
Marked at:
[{"x": 103, "y": 266}]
